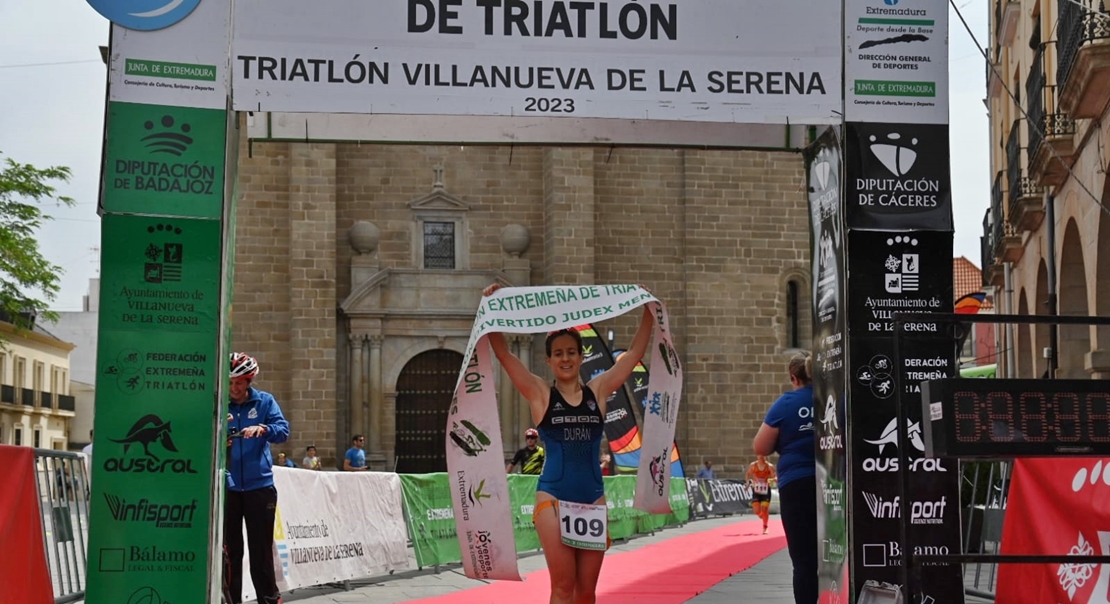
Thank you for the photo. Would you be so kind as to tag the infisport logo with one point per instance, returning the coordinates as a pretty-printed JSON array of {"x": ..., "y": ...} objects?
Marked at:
[
  {"x": 921, "y": 512},
  {"x": 144, "y": 15},
  {"x": 161, "y": 515}
]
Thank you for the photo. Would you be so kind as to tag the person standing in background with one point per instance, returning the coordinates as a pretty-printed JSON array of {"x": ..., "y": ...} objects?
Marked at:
[
  {"x": 706, "y": 471},
  {"x": 311, "y": 462},
  {"x": 760, "y": 476},
  {"x": 254, "y": 422},
  {"x": 530, "y": 457},
  {"x": 788, "y": 430},
  {"x": 355, "y": 459}
]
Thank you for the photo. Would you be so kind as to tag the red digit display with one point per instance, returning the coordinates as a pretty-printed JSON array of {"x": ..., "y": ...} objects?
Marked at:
[
  {"x": 1000, "y": 416},
  {"x": 1066, "y": 405},
  {"x": 967, "y": 416},
  {"x": 1004, "y": 418},
  {"x": 1034, "y": 422},
  {"x": 1098, "y": 417}
]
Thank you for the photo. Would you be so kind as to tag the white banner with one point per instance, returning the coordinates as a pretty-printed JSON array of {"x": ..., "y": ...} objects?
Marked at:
[
  {"x": 475, "y": 467},
  {"x": 896, "y": 62},
  {"x": 757, "y": 61},
  {"x": 184, "y": 65},
  {"x": 334, "y": 526}
]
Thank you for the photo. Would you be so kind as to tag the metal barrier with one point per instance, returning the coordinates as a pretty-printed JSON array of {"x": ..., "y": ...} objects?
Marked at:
[
  {"x": 62, "y": 480},
  {"x": 988, "y": 483}
]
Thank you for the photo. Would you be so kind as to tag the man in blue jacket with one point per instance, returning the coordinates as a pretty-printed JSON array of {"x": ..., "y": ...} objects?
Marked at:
[{"x": 254, "y": 421}]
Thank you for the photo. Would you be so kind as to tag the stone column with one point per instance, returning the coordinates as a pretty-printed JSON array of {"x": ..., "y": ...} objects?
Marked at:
[
  {"x": 1097, "y": 364},
  {"x": 568, "y": 216},
  {"x": 358, "y": 418},
  {"x": 389, "y": 432},
  {"x": 312, "y": 304},
  {"x": 506, "y": 405},
  {"x": 524, "y": 412},
  {"x": 375, "y": 384}
]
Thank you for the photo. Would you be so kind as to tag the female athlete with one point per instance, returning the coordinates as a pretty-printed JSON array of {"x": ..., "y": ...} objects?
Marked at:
[
  {"x": 760, "y": 475},
  {"x": 570, "y": 416}
]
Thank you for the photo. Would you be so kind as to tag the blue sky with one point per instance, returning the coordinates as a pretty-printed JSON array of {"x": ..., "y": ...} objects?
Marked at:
[{"x": 53, "y": 115}]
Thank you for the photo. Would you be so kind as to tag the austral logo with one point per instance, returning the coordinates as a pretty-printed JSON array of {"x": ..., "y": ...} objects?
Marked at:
[
  {"x": 658, "y": 471},
  {"x": 149, "y": 431},
  {"x": 161, "y": 515},
  {"x": 889, "y": 439},
  {"x": 144, "y": 15}
]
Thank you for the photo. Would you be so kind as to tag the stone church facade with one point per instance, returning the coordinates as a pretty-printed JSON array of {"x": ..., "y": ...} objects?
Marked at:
[{"x": 359, "y": 267}]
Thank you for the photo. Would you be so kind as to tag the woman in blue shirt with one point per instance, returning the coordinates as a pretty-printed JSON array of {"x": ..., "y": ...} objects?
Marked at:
[{"x": 788, "y": 431}]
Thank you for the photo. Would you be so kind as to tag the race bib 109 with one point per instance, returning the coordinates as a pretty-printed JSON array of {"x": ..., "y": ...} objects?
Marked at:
[{"x": 584, "y": 525}]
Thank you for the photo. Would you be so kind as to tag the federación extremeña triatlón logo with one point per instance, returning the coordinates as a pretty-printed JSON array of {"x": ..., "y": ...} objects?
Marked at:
[{"x": 144, "y": 15}]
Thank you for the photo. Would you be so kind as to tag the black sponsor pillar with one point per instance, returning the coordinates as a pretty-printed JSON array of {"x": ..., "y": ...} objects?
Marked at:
[
  {"x": 829, "y": 270},
  {"x": 898, "y": 211}
]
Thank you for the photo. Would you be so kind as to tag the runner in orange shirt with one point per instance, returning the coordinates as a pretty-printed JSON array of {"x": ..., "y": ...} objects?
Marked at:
[{"x": 760, "y": 475}]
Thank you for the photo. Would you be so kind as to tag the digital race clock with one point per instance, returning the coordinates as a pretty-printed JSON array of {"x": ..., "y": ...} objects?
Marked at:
[{"x": 1015, "y": 418}]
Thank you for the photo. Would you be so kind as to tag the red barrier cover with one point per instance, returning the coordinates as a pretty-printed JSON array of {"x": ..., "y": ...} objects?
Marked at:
[
  {"x": 24, "y": 575},
  {"x": 1057, "y": 506}
]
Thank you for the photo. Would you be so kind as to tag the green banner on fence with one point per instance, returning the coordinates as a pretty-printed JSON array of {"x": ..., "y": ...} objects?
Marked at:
[
  {"x": 431, "y": 518},
  {"x": 522, "y": 497}
]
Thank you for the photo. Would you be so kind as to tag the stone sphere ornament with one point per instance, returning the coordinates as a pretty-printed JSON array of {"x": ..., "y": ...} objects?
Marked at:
[
  {"x": 364, "y": 236},
  {"x": 515, "y": 240}
]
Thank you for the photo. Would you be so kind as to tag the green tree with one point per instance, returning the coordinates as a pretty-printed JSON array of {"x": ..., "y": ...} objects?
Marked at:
[{"x": 28, "y": 281}]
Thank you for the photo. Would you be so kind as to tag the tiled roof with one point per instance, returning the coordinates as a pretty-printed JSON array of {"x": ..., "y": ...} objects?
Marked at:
[{"x": 967, "y": 279}]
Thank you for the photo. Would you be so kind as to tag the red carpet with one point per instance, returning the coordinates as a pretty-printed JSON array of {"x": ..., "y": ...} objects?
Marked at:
[{"x": 668, "y": 572}]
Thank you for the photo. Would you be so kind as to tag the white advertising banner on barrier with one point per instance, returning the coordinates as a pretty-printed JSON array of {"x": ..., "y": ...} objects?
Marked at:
[
  {"x": 896, "y": 61},
  {"x": 185, "y": 65},
  {"x": 334, "y": 526},
  {"x": 757, "y": 61},
  {"x": 475, "y": 463}
]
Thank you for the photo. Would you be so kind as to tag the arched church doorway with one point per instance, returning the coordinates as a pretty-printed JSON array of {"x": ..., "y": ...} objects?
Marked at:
[{"x": 424, "y": 391}]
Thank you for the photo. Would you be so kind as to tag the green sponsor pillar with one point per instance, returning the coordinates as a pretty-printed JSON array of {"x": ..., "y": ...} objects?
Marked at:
[{"x": 167, "y": 230}]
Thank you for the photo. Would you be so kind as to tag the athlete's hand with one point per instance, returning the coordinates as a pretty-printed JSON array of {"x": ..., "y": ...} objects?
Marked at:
[
  {"x": 253, "y": 431},
  {"x": 489, "y": 290}
]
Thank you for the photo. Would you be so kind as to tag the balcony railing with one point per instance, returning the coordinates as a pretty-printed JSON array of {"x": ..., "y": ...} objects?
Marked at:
[
  {"x": 47, "y": 401},
  {"x": 998, "y": 217},
  {"x": 28, "y": 397},
  {"x": 1005, "y": 242},
  {"x": 1079, "y": 23},
  {"x": 1082, "y": 24},
  {"x": 986, "y": 247},
  {"x": 1024, "y": 192},
  {"x": 1050, "y": 131},
  {"x": 1034, "y": 93},
  {"x": 7, "y": 394},
  {"x": 66, "y": 403}
]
